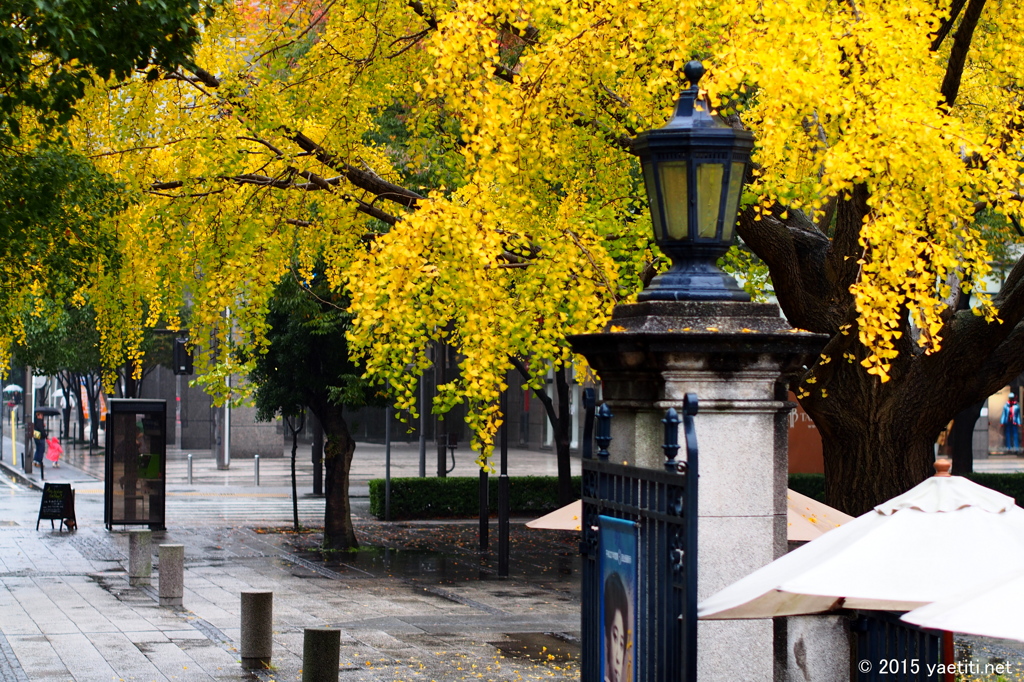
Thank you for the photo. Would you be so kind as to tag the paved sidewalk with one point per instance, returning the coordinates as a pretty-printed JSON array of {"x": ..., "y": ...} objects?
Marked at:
[{"x": 417, "y": 602}]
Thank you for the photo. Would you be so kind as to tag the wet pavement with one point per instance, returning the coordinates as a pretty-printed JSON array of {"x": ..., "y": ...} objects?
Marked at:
[{"x": 418, "y": 601}]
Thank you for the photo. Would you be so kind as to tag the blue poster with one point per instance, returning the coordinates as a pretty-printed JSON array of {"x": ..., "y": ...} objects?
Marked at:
[{"x": 618, "y": 599}]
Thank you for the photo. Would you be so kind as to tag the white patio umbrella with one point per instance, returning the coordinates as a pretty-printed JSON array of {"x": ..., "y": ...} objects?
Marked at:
[
  {"x": 907, "y": 552},
  {"x": 563, "y": 518},
  {"x": 807, "y": 518},
  {"x": 994, "y": 610}
]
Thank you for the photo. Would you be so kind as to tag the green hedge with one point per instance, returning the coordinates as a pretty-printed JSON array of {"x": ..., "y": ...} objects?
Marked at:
[
  {"x": 1007, "y": 484},
  {"x": 811, "y": 485},
  {"x": 435, "y": 498}
]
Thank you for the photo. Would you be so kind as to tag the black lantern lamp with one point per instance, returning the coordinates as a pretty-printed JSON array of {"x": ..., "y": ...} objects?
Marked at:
[{"x": 693, "y": 169}]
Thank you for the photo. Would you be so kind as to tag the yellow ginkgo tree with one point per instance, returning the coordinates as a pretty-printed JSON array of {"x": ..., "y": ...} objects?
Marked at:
[{"x": 463, "y": 169}]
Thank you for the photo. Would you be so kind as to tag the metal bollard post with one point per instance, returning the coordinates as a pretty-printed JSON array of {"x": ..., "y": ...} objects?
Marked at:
[
  {"x": 321, "y": 654},
  {"x": 140, "y": 557},
  {"x": 189, "y": 475},
  {"x": 257, "y": 629},
  {"x": 256, "y": 469},
  {"x": 172, "y": 574}
]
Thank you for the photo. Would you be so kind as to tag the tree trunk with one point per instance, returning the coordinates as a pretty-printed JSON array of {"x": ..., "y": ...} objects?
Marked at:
[
  {"x": 92, "y": 390},
  {"x": 961, "y": 439},
  {"x": 563, "y": 439},
  {"x": 294, "y": 428},
  {"x": 77, "y": 379},
  {"x": 338, "y": 448},
  {"x": 561, "y": 425}
]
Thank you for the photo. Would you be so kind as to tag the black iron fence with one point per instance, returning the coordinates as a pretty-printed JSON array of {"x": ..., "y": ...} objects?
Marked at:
[
  {"x": 890, "y": 650},
  {"x": 639, "y": 537}
]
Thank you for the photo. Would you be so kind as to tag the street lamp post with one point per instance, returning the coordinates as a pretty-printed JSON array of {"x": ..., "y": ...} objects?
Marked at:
[
  {"x": 693, "y": 169},
  {"x": 694, "y": 330}
]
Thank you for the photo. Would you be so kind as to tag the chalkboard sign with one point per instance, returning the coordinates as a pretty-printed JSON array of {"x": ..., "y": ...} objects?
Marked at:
[{"x": 58, "y": 503}]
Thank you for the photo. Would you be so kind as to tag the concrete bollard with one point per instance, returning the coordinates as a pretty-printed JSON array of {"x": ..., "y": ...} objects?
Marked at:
[
  {"x": 321, "y": 654},
  {"x": 257, "y": 629},
  {"x": 172, "y": 574},
  {"x": 140, "y": 557}
]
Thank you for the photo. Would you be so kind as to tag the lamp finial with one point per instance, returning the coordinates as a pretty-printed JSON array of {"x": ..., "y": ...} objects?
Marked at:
[{"x": 693, "y": 71}]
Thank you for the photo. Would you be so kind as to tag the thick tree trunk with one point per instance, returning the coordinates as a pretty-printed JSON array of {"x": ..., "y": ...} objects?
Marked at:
[
  {"x": 868, "y": 461},
  {"x": 338, "y": 448}
]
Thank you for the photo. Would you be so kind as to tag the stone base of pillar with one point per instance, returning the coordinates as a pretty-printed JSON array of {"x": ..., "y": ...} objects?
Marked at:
[{"x": 817, "y": 648}]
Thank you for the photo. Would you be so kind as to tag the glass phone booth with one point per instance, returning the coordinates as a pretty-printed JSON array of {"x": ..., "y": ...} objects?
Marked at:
[{"x": 136, "y": 463}]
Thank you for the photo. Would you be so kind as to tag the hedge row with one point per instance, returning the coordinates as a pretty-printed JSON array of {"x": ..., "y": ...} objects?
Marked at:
[
  {"x": 813, "y": 485},
  {"x": 435, "y": 498}
]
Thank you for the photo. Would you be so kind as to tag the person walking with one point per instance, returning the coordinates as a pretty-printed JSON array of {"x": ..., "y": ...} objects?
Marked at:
[
  {"x": 1011, "y": 424},
  {"x": 39, "y": 435}
]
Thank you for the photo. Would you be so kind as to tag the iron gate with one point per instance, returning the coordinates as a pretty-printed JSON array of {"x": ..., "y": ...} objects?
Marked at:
[
  {"x": 660, "y": 508},
  {"x": 888, "y": 649}
]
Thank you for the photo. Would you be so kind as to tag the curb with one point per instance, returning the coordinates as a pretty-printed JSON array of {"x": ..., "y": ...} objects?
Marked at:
[{"x": 19, "y": 476}]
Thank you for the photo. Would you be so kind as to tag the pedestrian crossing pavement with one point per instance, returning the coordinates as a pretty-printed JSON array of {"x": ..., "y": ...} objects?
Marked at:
[{"x": 247, "y": 508}]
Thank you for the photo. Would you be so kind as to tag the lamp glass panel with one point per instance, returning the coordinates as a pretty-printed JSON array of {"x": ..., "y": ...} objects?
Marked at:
[
  {"x": 652, "y": 201},
  {"x": 709, "y": 198},
  {"x": 732, "y": 201},
  {"x": 673, "y": 189}
]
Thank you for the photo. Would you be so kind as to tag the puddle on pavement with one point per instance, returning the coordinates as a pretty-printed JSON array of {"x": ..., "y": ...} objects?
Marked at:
[{"x": 536, "y": 646}]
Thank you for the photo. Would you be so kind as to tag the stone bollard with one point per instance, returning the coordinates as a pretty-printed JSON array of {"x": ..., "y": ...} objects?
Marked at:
[
  {"x": 321, "y": 654},
  {"x": 140, "y": 557},
  {"x": 257, "y": 629},
  {"x": 172, "y": 574}
]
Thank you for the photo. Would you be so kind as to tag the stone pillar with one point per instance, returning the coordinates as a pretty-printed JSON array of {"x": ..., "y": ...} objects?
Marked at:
[
  {"x": 257, "y": 629},
  {"x": 172, "y": 574},
  {"x": 321, "y": 654},
  {"x": 140, "y": 557},
  {"x": 732, "y": 355},
  {"x": 818, "y": 648}
]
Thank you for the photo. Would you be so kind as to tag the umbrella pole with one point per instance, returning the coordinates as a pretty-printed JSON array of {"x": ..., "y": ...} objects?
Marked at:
[{"x": 948, "y": 657}]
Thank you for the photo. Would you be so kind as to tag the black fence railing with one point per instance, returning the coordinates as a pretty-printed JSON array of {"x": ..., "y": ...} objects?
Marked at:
[
  {"x": 890, "y": 650},
  {"x": 639, "y": 546}
]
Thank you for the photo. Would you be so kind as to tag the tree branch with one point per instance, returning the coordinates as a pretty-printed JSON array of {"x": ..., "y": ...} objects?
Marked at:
[
  {"x": 958, "y": 53},
  {"x": 956, "y": 7},
  {"x": 795, "y": 252},
  {"x": 369, "y": 181}
]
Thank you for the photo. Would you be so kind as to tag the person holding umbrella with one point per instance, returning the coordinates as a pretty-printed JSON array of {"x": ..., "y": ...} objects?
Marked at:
[{"x": 39, "y": 435}]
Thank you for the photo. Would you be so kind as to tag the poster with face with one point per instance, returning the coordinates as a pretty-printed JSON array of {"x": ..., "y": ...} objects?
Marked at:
[{"x": 618, "y": 572}]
